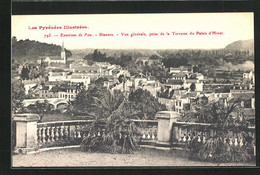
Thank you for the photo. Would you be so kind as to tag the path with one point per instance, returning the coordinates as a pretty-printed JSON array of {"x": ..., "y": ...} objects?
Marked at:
[{"x": 76, "y": 158}]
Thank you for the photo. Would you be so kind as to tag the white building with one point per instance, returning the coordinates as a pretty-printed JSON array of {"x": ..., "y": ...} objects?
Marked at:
[{"x": 54, "y": 59}]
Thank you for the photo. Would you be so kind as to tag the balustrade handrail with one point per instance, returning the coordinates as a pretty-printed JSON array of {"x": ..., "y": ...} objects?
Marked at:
[
  {"x": 210, "y": 125},
  {"x": 192, "y": 123},
  {"x": 145, "y": 121},
  {"x": 89, "y": 121},
  {"x": 64, "y": 122}
]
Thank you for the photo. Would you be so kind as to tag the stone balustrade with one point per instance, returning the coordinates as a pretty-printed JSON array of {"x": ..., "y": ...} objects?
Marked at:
[
  {"x": 62, "y": 132},
  {"x": 148, "y": 131},
  {"x": 165, "y": 131},
  {"x": 183, "y": 132}
]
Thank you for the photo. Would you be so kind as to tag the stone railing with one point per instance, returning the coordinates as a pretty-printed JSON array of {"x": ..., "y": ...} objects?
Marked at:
[
  {"x": 30, "y": 134},
  {"x": 148, "y": 129},
  {"x": 164, "y": 131},
  {"x": 70, "y": 132},
  {"x": 183, "y": 132},
  {"x": 60, "y": 133}
]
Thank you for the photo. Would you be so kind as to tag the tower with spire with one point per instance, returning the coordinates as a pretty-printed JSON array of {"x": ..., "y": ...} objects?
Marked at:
[{"x": 63, "y": 52}]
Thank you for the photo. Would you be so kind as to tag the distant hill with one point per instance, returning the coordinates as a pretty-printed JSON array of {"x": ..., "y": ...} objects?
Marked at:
[
  {"x": 31, "y": 50},
  {"x": 241, "y": 45}
]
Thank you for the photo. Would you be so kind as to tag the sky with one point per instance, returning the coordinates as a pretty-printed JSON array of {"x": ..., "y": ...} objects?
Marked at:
[{"x": 231, "y": 26}]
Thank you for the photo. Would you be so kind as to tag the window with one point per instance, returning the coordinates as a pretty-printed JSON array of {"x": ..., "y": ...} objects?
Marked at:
[{"x": 179, "y": 103}]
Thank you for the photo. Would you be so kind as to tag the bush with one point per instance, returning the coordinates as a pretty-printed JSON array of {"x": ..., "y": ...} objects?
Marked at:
[
  {"x": 119, "y": 138},
  {"x": 225, "y": 118},
  {"x": 112, "y": 130},
  {"x": 216, "y": 149}
]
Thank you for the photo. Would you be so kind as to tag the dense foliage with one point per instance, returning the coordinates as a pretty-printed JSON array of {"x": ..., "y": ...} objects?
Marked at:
[
  {"x": 30, "y": 49},
  {"x": 97, "y": 56},
  {"x": 18, "y": 94},
  {"x": 112, "y": 130},
  {"x": 217, "y": 148},
  {"x": 143, "y": 101}
]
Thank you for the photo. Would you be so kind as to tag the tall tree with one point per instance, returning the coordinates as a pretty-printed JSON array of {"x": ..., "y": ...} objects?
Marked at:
[
  {"x": 18, "y": 94},
  {"x": 192, "y": 86},
  {"x": 143, "y": 101}
]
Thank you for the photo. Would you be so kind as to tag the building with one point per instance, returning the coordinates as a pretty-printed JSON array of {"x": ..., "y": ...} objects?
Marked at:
[
  {"x": 178, "y": 70},
  {"x": 250, "y": 76},
  {"x": 198, "y": 85},
  {"x": 54, "y": 59},
  {"x": 28, "y": 84},
  {"x": 179, "y": 76},
  {"x": 174, "y": 84},
  {"x": 67, "y": 91}
]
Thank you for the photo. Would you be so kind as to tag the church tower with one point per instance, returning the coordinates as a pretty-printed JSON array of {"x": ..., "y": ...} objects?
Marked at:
[{"x": 63, "y": 53}]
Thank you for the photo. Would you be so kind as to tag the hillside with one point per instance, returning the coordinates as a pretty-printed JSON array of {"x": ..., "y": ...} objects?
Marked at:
[
  {"x": 31, "y": 50},
  {"x": 241, "y": 45}
]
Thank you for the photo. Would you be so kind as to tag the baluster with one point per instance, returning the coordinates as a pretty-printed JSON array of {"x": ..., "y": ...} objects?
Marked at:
[
  {"x": 48, "y": 134},
  {"x": 39, "y": 135},
  {"x": 199, "y": 140},
  {"x": 56, "y": 133},
  {"x": 43, "y": 135},
  {"x": 204, "y": 138},
  {"x": 61, "y": 133},
  {"x": 143, "y": 137},
  {"x": 76, "y": 132},
  {"x": 52, "y": 139},
  {"x": 230, "y": 141},
  {"x": 184, "y": 138},
  {"x": 153, "y": 137},
  {"x": 66, "y": 133},
  {"x": 79, "y": 134},
  {"x": 235, "y": 142},
  {"x": 241, "y": 142},
  {"x": 148, "y": 136},
  {"x": 189, "y": 138}
]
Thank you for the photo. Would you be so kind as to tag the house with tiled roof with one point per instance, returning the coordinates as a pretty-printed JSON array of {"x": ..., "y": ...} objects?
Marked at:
[{"x": 179, "y": 76}]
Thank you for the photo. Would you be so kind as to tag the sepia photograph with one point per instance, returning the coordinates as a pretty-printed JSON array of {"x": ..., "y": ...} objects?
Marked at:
[{"x": 133, "y": 90}]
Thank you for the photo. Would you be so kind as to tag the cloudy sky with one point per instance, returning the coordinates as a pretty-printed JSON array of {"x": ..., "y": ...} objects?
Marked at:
[{"x": 235, "y": 26}]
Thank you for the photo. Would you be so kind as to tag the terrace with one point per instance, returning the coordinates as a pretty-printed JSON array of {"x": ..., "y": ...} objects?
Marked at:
[{"x": 162, "y": 143}]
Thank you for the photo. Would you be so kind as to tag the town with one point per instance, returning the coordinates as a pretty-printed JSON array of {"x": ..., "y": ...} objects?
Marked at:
[
  {"x": 205, "y": 89},
  {"x": 181, "y": 89}
]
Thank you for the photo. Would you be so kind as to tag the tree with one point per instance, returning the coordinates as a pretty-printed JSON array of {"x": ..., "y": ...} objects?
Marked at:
[
  {"x": 143, "y": 101},
  {"x": 41, "y": 108},
  {"x": 154, "y": 57},
  {"x": 112, "y": 130},
  {"x": 217, "y": 147},
  {"x": 85, "y": 98},
  {"x": 68, "y": 53},
  {"x": 192, "y": 87},
  {"x": 121, "y": 78},
  {"x": 18, "y": 94},
  {"x": 25, "y": 73}
]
